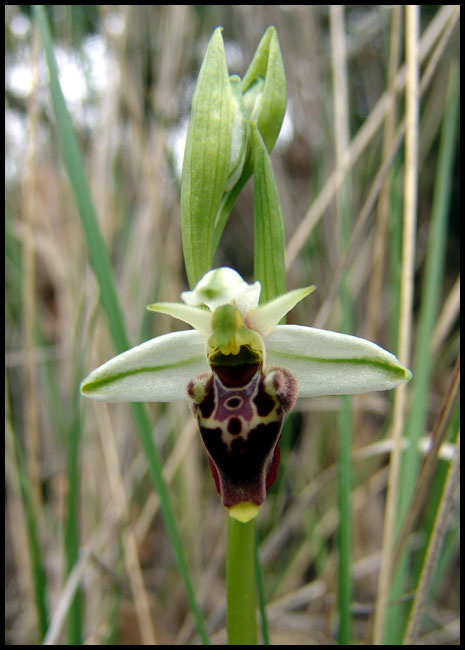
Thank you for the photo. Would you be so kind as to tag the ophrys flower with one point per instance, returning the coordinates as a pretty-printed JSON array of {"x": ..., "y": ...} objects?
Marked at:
[{"x": 242, "y": 372}]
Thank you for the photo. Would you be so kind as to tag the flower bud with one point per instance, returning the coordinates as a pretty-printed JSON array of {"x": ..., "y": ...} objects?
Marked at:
[
  {"x": 239, "y": 135},
  {"x": 253, "y": 99},
  {"x": 264, "y": 88},
  {"x": 210, "y": 157}
]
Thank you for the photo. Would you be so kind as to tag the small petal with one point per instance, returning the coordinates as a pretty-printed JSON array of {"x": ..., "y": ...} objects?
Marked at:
[
  {"x": 199, "y": 319},
  {"x": 155, "y": 371},
  {"x": 329, "y": 363},
  {"x": 248, "y": 298},
  {"x": 264, "y": 319}
]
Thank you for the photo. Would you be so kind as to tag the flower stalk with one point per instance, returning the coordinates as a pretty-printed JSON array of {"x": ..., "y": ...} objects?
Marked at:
[{"x": 240, "y": 583}]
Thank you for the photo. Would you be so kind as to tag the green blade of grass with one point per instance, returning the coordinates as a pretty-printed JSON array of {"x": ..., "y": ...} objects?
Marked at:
[
  {"x": 343, "y": 210},
  {"x": 98, "y": 253},
  {"x": 100, "y": 262},
  {"x": 435, "y": 544},
  {"x": 35, "y": 550},
  {"x": 434, "y": 265},
  {"x": 14, "y": 455},
  {"x": 423, "y": 362},
  {"x": 72, "y": 525}
]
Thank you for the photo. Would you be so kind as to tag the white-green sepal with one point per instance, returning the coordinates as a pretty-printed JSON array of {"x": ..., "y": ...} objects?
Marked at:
[
  {"x": 330, "y": 363},
  {"x": 264, "y": 319},
  {"x": 155, "y": 371}
]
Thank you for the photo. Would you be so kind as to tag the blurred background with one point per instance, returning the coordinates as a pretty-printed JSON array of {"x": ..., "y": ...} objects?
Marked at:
[{"x": 77, "y": 490}]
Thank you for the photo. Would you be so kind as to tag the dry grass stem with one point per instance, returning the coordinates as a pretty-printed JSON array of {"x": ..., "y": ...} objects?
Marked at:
[
  {"x": 437, "y": 439},
  {"x": 406, "y": 293},
  {"x": 66, "y": 597},
  {"x": 447, "y": 317},
  {"x": 131, "y": 556},
  {"x": 447, "y": 14},
  {"x": 447, "y": 503},
  {"x": 382, "y": 213}
]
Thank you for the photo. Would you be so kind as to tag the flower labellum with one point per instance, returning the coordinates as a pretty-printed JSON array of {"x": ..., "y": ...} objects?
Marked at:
[
  {"x": 240, "y": 410},
  {"x": 242, "y": 373}
]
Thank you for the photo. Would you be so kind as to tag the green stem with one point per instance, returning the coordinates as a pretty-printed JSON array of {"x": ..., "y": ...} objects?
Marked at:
[
  {"x": 345, "y": 525},
  {"x": 240, "y": 583}
]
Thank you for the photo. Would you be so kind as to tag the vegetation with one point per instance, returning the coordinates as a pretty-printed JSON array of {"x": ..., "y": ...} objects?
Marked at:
[{"x": 92, "y": 551}]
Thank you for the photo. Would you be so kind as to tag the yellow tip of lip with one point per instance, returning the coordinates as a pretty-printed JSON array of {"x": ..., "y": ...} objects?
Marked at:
[{"x": 244, "y": 512}]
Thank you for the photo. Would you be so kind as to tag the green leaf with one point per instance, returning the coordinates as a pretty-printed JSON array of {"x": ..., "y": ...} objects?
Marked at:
[
  {"x": 207, "y": 157},
  {"x": 269, "y": 267},
  {"x": 36, "y": 552},
  {"x": 72, "y": 157}
]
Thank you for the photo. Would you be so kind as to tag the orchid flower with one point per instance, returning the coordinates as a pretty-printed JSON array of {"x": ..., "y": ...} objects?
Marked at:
[{"x": 242, "y": 372}]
